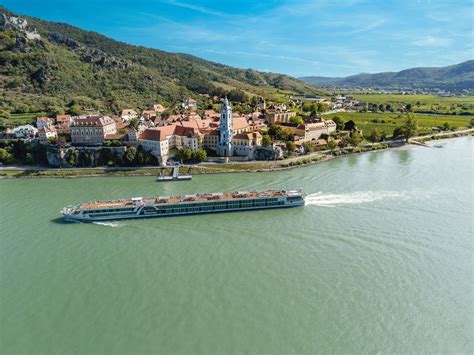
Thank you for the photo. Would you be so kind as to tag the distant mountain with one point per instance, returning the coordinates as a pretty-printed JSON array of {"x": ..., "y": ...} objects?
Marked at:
[
  {"x": 47, "y": 66},
  {"x": 453, "y": 78}
]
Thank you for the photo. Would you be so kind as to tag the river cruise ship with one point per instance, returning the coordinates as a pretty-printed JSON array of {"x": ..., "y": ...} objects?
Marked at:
[{"x": 139, "y": 207}]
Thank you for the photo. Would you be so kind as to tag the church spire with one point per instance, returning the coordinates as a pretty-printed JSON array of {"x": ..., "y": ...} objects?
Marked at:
[{"x": 226, "y": 133}]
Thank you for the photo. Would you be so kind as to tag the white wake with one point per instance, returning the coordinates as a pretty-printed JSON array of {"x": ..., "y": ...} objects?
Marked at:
[
  {"x": 108, "y": 224},
  {"x": 358, "y": 197}
]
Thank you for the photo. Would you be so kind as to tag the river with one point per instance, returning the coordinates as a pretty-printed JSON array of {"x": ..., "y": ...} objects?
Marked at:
[{"x": 379, "y": 260}]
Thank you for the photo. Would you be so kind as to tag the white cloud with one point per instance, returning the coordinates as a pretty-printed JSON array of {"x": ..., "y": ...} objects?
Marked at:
[
  {"x": 201, "y": 9},
  {"x": 431, "y": 41}
]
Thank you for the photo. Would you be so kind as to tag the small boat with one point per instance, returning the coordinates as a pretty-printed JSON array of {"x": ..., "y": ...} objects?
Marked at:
[{"x": 163, "y": 206}]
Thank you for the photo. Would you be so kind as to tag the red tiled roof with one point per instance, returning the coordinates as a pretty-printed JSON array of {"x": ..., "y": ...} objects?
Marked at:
[
  {"x": 128, "y": 111},
  {"x": 63, "y": 118},
  {"x": 239, "y": 122},
  {"x": 47, "y": 129},
  {"x": 94, "y": 121},
  {"x": 116, "y": 136},
  {"x": 158, "y": 133},
  {"x": 248, "y": 135}
]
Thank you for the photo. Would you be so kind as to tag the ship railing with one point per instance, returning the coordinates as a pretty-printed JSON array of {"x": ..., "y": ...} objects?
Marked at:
[{"x": 69, "y": 210}]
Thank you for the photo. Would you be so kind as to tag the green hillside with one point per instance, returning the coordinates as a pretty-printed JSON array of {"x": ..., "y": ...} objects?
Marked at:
[
  {"x": 456, "y": 77},
  {"x": 55, "y": 67}
]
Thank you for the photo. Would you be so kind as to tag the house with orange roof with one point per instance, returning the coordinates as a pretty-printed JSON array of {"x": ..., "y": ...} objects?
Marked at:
[{"x": 63, "y": 119}]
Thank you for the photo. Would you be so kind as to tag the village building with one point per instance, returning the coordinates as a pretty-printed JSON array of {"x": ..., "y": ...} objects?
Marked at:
[
  {"x": 158, "y": 108},
  {"x": 275, "y": 116},
  {"x": 126, "y": 136},
  {"x": 47, "y": 133},
  {"x": 230, "y": 135},
  {"x": 42, "y": 122},
  {"x": 309, "y": 131},
  {"x": 189, "y": 104},
  {"x": 211, "y": 114},
  {"x": 128, "y": 114},
  {"x": 63, "y": 119},
  {"x": 148, "y": 115},
  {"x": 25, "y": 131},
  {"x": 245, "y": 143},
  {"x": 92, "y": 129},
  {"x": 62, "y": 128}
]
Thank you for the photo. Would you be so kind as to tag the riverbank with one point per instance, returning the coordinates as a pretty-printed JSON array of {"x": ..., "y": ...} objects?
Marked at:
[{"x": 207, "y": 168}]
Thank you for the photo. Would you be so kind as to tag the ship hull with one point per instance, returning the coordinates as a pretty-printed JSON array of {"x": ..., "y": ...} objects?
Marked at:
[{"x": 72, "y": 218}]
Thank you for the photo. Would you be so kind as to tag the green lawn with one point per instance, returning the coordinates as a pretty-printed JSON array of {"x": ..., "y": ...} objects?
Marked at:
[{"x": 388, "y": 121}]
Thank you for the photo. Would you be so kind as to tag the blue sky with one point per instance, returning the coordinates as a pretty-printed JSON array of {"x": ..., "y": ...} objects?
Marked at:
[{"x": 296, "y": 37}]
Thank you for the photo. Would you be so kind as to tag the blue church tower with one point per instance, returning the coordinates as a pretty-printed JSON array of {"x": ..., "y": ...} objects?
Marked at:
[{"x": 225, "y": 148}]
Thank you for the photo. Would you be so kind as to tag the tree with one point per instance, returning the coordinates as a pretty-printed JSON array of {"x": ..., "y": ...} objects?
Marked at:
[
  {"x": 72, "y": 158},
  {"x": 307, "y": 108},
  {"x": 266, "y": 140},
  {"x": 290, "y": 146},
  {"x": 75, "y": 110},
  {"x": 408, "y": 107},
  {"x": 296, "y": 120},
  {"x": 399, "y": 132},
  {"x": 375, "y": 135},
  {"x": 278, "y": 133},
  {"x": 84, "y": 158},
  {"x": 339, "y": 123},
  {"x": 321, "y": 107},
  {"x": 472, "y": 123},
  {"x": 237, "y": 95},
  {"x": 356, "y": 138},
  {"x": 184, "y": 154},
  {"x": 105, "y": 155},
  {"x": 6, "y": 157},
  {"x": 199, "y": 155},
  {"x": 332, "y": 145},
  {"x": 134, "y": 122},
  {"x": 382, "y": 107},
  {"x": 130, "y": 155},
  {"x": 254, "y": 101},
  {"x": 409, "y": 126},
  {"x": 446, "y": 126},
  {"x": 308, "y": 147}
]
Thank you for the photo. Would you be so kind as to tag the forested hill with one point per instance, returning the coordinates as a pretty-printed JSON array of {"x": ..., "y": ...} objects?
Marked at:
[
  {"x": 456, "y": 77},
  {"x": 54, "y": 67}
]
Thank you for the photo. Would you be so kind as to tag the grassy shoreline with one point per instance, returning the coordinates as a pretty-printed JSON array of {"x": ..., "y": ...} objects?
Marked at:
[{"x": 264, "y": 166}]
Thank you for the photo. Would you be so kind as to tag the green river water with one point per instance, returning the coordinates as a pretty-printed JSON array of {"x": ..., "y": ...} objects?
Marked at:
[{"x": 379, "y": 260}]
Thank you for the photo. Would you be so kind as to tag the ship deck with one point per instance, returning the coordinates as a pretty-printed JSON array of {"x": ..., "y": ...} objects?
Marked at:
[{"x": 167, "y": 200}]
